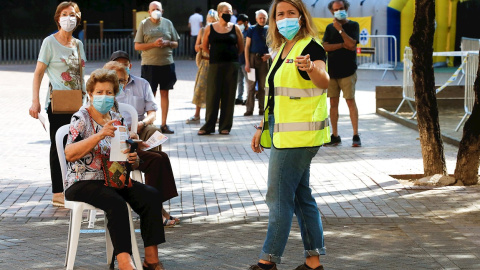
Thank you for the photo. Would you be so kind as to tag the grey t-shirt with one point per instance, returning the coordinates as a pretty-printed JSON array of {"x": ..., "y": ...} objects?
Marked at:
[{"x": 148, "y": 32}]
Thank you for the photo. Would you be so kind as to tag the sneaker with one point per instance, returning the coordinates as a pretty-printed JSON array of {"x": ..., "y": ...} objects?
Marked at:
[
  {"x": 193, "y": 120},
  {"x": 256, "y": 267},
  {"x": 334, "y": 141},
  {"x": 304, "y": 267},
  {"x": 248, "y": 114},
  {"x": 356, "y": 142},
  {"x": 58, "y": 199},
  {"x": 166, "y": 130},
  {"x": 238, "y": 101},
  {"x": 244, "y": 102}
]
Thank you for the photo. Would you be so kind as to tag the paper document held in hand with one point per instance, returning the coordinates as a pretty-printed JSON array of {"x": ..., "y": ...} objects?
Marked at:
[
  {"x": 251, "y": 75},
  {"x": 155, "y": 140}
]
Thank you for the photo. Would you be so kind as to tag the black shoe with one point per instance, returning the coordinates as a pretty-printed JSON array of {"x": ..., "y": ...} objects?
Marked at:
[
  {"x": 244, "y": 102},
  {"x": 256, "y": 267},
  {"x": 334, "y": 141},
  {"x": 304, "y": 267},
  {"x": 238, "y": 101},
  {"x": 166, "y": 130},
  {"x": 248, "y": 114},
  {"x": 356, "y": 142}
]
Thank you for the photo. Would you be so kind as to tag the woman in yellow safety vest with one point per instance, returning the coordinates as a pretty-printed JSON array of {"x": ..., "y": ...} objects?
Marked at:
[{"x": 295, "y": 125}]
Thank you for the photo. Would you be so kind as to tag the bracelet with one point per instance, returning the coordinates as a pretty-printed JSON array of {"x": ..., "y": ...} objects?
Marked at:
[
  {"x": 257, "y": 127},
  {"x": 144, "y": 124}
]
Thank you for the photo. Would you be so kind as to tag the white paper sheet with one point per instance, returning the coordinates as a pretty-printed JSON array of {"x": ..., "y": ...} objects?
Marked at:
[
  {"x": 155, "y": 140},
  {"x": 251, "y": 75},
  {"x": 42, "y": 121},
  {"x": 118, "y": 144}
]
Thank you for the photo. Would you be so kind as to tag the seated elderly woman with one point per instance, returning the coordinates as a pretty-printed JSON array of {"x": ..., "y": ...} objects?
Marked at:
[{"x": 89, "y": 139}]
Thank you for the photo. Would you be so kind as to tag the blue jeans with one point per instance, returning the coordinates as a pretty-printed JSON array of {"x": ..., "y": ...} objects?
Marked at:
[
  {"x": 242, "y": 74},
  {"x": 288, "y": 193}
]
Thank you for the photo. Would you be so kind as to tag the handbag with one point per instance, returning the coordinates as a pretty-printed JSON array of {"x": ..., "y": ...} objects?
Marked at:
[
  {"x": 68, "y": 101},
  {"x": 115, "y": 173}
]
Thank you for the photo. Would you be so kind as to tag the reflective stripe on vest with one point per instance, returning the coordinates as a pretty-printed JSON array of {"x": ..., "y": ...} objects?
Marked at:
[
  {"x": 306, "y": 126},
  {"x": 295, "y": 92}
]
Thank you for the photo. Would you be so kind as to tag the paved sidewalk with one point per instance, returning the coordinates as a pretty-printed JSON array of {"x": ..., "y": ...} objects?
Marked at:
[{"x": 371, "y": 221}]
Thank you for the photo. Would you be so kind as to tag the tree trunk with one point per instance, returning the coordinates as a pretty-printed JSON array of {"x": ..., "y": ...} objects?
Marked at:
[
  {"x": 421, "y": 42},
  {"x": 469, "y": 150}
]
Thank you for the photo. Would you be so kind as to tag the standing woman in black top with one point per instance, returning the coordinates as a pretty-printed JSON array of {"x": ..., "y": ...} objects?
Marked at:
[{"x": 223, "y": 40}]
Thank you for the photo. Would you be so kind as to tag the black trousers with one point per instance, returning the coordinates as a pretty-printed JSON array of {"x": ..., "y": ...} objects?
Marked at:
[
  {"x": 144, "y": 200},
  {"x": 56, "y": 121}
]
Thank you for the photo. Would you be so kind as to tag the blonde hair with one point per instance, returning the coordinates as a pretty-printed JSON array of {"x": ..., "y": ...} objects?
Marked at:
[
  {"x": 212, "y": 14},
  {"x": 63, "y": 6},
  {"x": 222, "y": 5},
  {"x": 307, "y": 28}
]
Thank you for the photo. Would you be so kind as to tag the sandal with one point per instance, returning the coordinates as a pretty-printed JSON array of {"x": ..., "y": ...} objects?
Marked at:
[
  {"x": 193, "y": 119},
  {"x": 225, "y": 132},
  {"x": 203, "y": 132},
  {"x": 153, "y": 266},
  {"x": 168, "y": 223},
  {"x": 177, "y": 220}
]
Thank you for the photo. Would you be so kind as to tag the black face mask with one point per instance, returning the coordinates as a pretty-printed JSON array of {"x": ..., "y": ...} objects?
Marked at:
[{"x": 226, "y": 17}]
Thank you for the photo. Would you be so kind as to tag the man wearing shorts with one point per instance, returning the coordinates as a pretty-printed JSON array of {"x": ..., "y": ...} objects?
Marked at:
[
  {"x": 340, "y": 41},
  {"x": 156, "y": 38}
]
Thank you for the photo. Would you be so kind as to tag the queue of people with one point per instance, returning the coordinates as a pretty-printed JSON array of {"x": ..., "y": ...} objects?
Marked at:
[{"x": 295, "y": 80}]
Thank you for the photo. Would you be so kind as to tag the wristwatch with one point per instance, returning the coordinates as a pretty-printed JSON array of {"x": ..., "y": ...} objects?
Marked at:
[{"x": 340, "y": 31}]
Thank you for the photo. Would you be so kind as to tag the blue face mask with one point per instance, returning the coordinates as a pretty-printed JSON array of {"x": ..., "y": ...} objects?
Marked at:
[
  {"x": 128, "y": 71},
  {"x": 340, "y": 15},
  {"x": 288, "y": 27},
  {"x": 120, "y": 89},
  {"x": 103, "y": 103}
]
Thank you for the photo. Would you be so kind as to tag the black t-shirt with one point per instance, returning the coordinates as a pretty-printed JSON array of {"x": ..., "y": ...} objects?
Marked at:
[
  {"x": 342, "y": 62},
  {"x": 316, "y": 52}
]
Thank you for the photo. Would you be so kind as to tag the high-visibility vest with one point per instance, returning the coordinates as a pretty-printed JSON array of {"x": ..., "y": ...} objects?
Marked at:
[{"x": 301, "y": 118}]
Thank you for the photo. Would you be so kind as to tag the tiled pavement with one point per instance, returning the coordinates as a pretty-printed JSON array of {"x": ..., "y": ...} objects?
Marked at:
[{"x": 371, "y": 221}]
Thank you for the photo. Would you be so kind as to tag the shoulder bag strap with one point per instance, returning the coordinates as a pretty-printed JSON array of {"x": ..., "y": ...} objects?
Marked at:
[{"x": 80, "y": 65}]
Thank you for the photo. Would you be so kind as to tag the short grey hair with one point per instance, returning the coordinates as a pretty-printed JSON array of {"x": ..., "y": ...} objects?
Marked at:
[
  {"x": 156, "y": 3},
  {"x": 261, "y": 11}
]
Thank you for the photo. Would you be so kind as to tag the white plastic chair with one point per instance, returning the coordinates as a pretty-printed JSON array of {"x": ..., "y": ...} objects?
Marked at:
[{"x": 76, "y": 212}]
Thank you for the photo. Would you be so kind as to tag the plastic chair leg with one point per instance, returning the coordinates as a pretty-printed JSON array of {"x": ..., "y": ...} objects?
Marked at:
[
  {"x": 135, "y": 252},
  {"x": 68, "y": 239},
  {"x": 91, "y": 218},
  {"x": 76, "y": 214}
]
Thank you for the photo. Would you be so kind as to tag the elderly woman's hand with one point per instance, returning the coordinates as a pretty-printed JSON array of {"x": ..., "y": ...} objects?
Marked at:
[
  {"x": 107, "y": 130},
  {"x": 132, "y": 157},
  {"x": 35, "y": 109},
  {"x": 256, "y": 147}
]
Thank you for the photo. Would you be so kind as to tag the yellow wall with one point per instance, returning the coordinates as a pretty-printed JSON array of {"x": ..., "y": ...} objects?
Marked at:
[{"x": 446, "y": 18}]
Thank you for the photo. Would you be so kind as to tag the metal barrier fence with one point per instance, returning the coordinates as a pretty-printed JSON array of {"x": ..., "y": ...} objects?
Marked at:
[
  {"x": 408, "y": 89},
  {"x": 468, "y": 44},
  {"x": 471, "y": 68},
  {"x": 380, "y": 55},
  {"x": 22, "y": 51}
]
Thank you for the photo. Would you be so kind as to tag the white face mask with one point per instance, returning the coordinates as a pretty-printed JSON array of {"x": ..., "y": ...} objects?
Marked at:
[
  {"x": 68, "y": 23},
  {"x": 156, "y": 14},
  {"x": 242, "y": 27}
]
